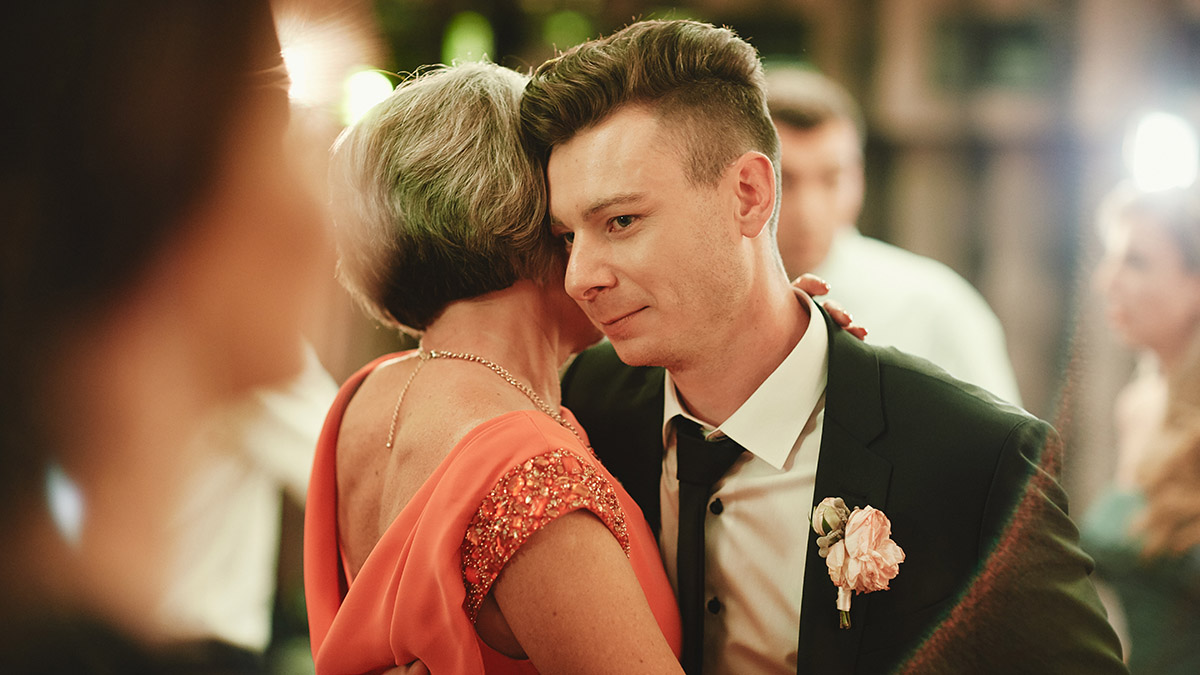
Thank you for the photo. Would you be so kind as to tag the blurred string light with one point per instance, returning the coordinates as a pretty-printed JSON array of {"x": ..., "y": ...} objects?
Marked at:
[
  {"x": 361, "y": 91},
  {"x": 1162, "y": 152},
  {"x": 468, "y": 37}
]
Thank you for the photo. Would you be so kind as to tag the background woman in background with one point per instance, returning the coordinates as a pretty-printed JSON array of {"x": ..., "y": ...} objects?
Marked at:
[
  {"x": 160, "y": 257},
  {"x": 1145, "y": 530}
]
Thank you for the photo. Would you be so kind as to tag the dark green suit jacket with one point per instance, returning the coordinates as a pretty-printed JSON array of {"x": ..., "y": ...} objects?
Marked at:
[{"x": 949, "y": 465}]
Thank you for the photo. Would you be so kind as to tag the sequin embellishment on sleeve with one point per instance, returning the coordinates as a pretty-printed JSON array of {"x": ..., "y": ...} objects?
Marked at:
[{"x": 527, "y": 497}]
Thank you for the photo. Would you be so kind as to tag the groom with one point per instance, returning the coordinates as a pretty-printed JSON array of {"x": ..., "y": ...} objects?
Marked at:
[{"x": 663, "y": 172}]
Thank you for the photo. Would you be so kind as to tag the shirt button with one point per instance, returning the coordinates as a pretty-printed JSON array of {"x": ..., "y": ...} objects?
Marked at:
[
  {"x": 716, "y": 507},
  {"x": 714, "y": 606}
]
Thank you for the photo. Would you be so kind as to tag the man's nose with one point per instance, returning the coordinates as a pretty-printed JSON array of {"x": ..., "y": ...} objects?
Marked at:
[{"x": 588, "y": 269}]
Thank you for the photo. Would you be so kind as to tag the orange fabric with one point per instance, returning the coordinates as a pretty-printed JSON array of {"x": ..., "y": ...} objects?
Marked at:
[{"x": 407, "y": 601}]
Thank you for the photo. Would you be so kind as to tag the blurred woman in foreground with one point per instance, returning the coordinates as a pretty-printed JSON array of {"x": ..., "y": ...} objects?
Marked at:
[{"x": 160, "y": 258}]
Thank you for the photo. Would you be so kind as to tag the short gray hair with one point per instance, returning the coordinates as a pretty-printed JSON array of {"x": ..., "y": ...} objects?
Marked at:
[{"x": 436, "y": 199}]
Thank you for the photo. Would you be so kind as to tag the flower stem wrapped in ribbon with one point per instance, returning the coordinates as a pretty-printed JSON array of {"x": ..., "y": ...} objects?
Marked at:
[{"x": 857, "y": 548}]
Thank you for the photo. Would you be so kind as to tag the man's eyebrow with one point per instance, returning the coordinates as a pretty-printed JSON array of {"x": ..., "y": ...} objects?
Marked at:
[
  {"x": 599, "y": 206},
  {"x": 621, "y": 198}
]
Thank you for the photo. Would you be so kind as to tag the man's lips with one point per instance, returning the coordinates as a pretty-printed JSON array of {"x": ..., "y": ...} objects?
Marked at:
[{"x": 606, "y": 323}]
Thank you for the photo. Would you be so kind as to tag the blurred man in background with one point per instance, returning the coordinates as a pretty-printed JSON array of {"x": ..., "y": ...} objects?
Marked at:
[{"x": 905, "y": 300}]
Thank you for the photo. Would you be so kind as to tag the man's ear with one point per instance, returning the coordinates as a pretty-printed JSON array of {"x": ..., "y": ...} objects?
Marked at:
[{"x": 754, "y": 189}]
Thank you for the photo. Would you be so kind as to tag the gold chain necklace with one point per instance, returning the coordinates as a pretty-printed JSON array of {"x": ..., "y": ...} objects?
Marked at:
[{"x": 495, "y": 368}]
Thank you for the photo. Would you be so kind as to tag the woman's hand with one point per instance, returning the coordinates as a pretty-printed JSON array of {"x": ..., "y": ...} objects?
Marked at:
[{"x": 815, "y": 285}]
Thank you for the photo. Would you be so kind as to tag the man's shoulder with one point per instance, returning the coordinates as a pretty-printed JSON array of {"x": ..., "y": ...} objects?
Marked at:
[
  {"x": 918, "y": 386},
  {"x": 906, "y": 371}
]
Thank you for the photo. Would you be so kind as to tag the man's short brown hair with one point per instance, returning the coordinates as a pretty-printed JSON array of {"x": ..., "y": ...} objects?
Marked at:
[{"x": 704, "y": 83}]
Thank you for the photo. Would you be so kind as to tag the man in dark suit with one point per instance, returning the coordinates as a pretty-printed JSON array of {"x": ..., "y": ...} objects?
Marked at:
[{"x": 662, "y": 168}]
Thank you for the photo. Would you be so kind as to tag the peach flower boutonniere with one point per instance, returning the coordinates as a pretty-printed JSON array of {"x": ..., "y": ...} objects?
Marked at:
[{"x": 857, "y": 548}]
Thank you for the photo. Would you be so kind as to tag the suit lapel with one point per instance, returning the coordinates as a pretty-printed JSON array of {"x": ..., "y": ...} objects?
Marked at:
[{"x": 846, "y": 468}]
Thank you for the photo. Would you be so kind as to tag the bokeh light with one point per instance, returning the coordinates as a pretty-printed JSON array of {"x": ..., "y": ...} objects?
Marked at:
[
  {"x": 1162, "y": 152},
  {"x": 303, "y": 66},
  {"x": 66, "y": 505},
  {"x": 469, "y": 37},
  {"x": 322, "y": 51},
  {"x": 361, "y": 91}
]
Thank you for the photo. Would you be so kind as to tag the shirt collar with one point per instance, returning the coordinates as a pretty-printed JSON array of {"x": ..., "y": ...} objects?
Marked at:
[{"x": 769, "y": 422}]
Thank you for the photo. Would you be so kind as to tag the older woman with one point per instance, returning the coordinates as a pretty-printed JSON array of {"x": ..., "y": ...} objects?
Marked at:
[
  {"x": 1145, "y": 531},
  {"x": 456, "y": 515}
]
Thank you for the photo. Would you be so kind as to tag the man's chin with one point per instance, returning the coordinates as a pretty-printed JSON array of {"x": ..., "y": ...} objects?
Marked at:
[{"x": 632, "y": 354}]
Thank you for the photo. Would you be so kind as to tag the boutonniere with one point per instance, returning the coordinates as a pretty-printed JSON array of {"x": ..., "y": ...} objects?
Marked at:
[{"x": 857, "y": 548}]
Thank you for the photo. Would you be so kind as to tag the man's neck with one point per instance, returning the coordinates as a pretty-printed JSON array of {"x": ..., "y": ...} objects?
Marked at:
[{"x": 715, "y": 389}]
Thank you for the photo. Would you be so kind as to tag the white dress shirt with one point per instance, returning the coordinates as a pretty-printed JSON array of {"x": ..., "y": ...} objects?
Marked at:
[
  {"x": 920, "y": 306},
  {"x": 756, "y": 548}
]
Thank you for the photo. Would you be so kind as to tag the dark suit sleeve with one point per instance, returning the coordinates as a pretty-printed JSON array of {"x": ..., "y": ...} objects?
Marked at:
[{"x": 1032, "y": 607}]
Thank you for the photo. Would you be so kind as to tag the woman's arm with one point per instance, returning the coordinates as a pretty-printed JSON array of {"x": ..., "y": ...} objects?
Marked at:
[{"x": 571, "y": 599}]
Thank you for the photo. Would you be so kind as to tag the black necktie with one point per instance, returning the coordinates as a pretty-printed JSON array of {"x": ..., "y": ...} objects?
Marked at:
[{"x": 700, "y": 464}]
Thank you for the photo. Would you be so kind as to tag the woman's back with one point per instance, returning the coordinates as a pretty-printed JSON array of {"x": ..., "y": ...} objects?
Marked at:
[{"x": 388, "y": 447}]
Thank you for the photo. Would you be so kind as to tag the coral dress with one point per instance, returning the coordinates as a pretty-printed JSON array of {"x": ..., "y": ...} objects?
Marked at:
[{"x": 417, "y": 594}]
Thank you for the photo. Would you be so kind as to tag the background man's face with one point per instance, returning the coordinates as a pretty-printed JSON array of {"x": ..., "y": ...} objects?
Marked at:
[{"x": 822, "y": 190}]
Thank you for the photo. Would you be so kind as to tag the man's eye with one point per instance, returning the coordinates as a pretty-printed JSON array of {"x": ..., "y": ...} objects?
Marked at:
[{"x": 622, "y": 222}]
